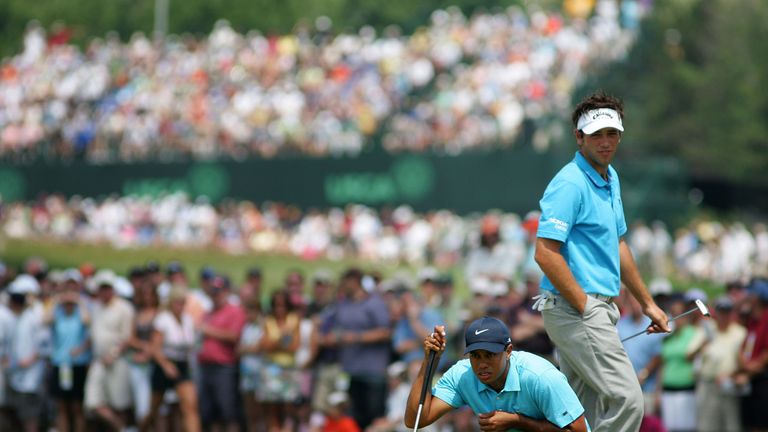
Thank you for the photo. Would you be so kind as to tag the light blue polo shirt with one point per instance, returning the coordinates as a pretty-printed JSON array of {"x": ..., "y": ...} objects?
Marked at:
[
  {"x": 534, "y": 388},
  {"x": 585, "y": 213}
]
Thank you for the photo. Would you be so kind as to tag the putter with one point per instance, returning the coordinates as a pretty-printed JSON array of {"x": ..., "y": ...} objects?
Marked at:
[
  {"x": 424, "y": 386},
  {"x": 700, "y": 306}
]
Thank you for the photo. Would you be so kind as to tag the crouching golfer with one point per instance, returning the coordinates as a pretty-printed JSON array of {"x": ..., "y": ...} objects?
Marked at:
[{"x": 508, "y": 390}]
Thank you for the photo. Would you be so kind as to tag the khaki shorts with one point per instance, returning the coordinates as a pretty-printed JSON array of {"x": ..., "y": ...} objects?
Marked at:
[{"x": 108, "y": 385}]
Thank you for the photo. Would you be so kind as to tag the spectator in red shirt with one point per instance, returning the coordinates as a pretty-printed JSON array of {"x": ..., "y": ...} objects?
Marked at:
[
  {"x": 336, "y": 420},
  {"x": 220, "y": 331},
  {"x": 753, "y": 360}
]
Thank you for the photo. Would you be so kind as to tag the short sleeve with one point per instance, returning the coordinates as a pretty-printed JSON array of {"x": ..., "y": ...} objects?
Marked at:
[
  {"x": 161, "y": 323},
  {"x": 400, "y": 334},
  {"x": 379, "y": 312},
  {"x": 559, "y": 210},
  {"x": 447, "y": 388},
  {"x": 621, "y": 223},
  {"x": 555, "y": 398}
]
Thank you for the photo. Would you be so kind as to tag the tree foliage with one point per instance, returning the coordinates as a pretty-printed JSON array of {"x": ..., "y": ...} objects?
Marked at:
[{"x": 694, "y": 88}]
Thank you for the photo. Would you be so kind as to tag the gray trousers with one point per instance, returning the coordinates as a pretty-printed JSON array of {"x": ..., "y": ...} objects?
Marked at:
[{"x": 594, "y": 361}]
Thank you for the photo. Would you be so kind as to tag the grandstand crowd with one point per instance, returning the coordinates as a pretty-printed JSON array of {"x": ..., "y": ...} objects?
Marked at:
[
  {"x": 162, "y": 349},
  {"x": 455, "y": 84},
  {"x": 704, "y": 249}
]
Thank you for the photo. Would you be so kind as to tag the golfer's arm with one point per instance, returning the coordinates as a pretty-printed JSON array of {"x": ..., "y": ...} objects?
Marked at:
[
  {"x": 553, "y": 265},
  {"x": 529, "y": 424},
  {"x": 631, "y": 276},
  {"x": 433, "y": 408}
]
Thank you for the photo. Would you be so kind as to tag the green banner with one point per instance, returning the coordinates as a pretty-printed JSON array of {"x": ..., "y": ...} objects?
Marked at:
[{"x": 511, "y": 180}]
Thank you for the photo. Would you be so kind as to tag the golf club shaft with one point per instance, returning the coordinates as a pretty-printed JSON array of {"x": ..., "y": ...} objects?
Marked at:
[
  {"x": 424, "y": 387},
  {"x": 670, "y": 320}
]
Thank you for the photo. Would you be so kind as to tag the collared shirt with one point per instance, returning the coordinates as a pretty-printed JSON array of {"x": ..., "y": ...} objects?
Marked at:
[
  {"x": 111, "y": 326},
  {"x": 534, "y": 388},
  {"x": 367, "y": 359},
  {"x": 720, "y": 355},
  {"x": 640, "y": 350},
  {"x": 230, "y": 318},
  {"x": 69, "y": 332},
  {"x": 26, "y": 342},
  {"x": 584, "y": 212}
]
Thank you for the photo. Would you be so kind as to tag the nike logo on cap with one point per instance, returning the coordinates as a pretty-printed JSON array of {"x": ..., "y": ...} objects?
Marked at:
[{"x": 477, "y": 332}]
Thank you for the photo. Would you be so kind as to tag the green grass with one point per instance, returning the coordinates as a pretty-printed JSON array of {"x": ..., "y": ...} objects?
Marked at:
[
  {"x": 274, "y": 267},
  {"x": 61, "y": 255}
]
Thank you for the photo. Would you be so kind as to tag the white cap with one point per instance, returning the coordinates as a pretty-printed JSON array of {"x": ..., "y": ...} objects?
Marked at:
[
  {"x": 123, "y": 287},
  {"x": 102, "y": 277},
  {"x": 337, "y": 398},
  {"x": 601, "y": 118},
  {"x": 428, "y": 274},
  {"x": 660, "y": 286},
  {"x": 72, "y": 274},
  {"x": 24, "y": 284},
  {"x": 396, "y": 369}
]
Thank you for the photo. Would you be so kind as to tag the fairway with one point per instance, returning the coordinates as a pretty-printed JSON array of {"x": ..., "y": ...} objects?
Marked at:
[{"x": 60, "y": 255}]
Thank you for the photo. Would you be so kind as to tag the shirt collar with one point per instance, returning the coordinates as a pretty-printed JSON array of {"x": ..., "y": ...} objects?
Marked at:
[
  {"x": 512, "y": 384},
  {"x": 591, "y": 172}
]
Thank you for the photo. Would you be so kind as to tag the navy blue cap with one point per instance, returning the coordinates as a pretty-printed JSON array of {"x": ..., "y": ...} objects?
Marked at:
[
  {"x": 759, "y": 289},
  {"x": 174, "y": 267},
  {"x": 488, "y": 334},
  {"x": 207, "y": 273}
]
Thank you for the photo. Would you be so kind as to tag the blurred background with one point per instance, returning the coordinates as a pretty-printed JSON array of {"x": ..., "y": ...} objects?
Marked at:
[{"x": 409, "y": 141}]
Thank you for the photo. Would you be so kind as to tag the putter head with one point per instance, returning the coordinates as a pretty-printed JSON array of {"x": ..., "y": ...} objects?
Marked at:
[{"x": 702, "y": 307}]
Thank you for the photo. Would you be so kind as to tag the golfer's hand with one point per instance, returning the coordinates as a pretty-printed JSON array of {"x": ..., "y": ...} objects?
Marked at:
[
  {"x": 435, "y": 341},
  {"x": 659, "y": 320},
  {"x": 496, "y": 421}
]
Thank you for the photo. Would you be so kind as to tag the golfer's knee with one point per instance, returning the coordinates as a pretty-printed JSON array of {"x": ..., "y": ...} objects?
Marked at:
[{"x": 631, "y": 401}]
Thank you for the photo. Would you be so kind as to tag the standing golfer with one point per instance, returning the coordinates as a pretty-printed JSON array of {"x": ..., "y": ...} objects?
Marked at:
[
  {"x": 584, "y": 258},
  {"x": 507, "y": 390}
]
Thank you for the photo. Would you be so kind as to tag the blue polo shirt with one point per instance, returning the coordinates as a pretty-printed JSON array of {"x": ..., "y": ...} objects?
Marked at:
[
  {"x": 640, "y": 350},
  {"x": 534, "y": 388},
  {"x": 585, "y": 213}
]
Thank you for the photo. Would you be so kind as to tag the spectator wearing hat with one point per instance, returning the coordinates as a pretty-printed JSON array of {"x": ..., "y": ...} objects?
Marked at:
[
  {"x": 24, "y": 357},
  {"x": 199, "y": 302},
  {"x": 172, "y": 341},
  {"x": 70, "y": 322},
  {"x": 363, "y": 335},
  {"x": 492, "y": 263},
  {"x": 678, "y": 400},
  {"x": 506, "y": 389},
  {"x": 335, "y": 418},
  {"x": 717, "y": 400},
  {"x": 217, "y": 358},
  {"x": 753, "y": 358},
  {"x": 644, "y": 352},
  {"x": 108, "y": 383}
]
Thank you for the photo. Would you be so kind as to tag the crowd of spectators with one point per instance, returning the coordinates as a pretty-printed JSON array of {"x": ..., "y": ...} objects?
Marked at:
[
  {"x": 163, "y": 349},
  {"x": 705, "y": 250},
  {"x": 456, "y": 83}
]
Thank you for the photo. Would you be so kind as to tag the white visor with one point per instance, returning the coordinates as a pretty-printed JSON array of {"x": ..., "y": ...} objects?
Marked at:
[{"x": 601, "y": 118}]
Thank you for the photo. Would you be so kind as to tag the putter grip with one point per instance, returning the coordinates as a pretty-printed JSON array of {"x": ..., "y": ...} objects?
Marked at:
[{"x": 427, "y": 377}]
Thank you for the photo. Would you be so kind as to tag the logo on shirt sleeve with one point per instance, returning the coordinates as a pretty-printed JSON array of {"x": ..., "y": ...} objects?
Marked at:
[{"x": 558, "y": 224}]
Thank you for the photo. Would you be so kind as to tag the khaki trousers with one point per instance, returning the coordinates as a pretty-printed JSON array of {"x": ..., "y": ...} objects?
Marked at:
[{"x": 593, "y": 359}]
